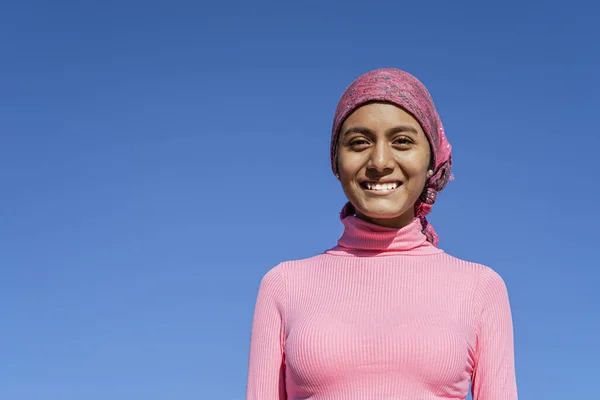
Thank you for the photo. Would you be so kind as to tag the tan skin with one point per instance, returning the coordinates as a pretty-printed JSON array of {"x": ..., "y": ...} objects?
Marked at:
[{"x": 383, "y": 163}]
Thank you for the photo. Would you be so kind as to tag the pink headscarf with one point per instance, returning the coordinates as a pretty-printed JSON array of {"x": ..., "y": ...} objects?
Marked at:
[{"x": 404, "y": 90}]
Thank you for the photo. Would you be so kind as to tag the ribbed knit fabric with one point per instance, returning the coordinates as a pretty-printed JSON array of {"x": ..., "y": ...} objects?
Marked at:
[{"x": 384, "y": 315}]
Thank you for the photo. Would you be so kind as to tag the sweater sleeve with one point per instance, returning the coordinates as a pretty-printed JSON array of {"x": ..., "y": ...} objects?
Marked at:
[
  {"x": 494, "y": 373},
  {"x": 266, "y": 367}
]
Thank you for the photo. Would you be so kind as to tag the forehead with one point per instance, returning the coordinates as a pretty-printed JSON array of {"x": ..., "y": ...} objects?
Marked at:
[{"x": 378, "y": 114}]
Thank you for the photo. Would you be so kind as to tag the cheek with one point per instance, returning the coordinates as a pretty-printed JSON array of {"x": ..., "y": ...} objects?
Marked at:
[
  {"x": 415, "y": 170},
  {"x": 415, "y": 164},
  {"x": 349, "y": 165},
  {"x": 349, "y": 168}
]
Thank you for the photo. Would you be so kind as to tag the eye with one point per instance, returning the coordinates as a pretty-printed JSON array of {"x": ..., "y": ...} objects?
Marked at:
[
  {"x": 358, "y": 143},
  {"x": 403, "y": 141}
]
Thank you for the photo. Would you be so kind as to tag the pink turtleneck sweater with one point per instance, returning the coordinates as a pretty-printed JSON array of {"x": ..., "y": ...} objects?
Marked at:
[{"x": 384, "y": 315}]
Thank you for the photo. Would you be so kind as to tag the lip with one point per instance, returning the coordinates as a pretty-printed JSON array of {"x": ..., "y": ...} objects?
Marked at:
[{"x": 383, "y": 192}]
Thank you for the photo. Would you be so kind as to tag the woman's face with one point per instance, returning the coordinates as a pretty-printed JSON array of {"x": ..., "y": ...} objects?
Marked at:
[{"x": 383, "y": 158}]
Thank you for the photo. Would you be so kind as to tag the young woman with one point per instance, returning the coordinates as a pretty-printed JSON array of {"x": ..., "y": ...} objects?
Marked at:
[{"x": 385, "y": 314}]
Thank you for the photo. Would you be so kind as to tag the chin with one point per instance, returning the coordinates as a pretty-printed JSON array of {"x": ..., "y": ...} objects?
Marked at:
[
  {"x": 388, "y": 213},
  {"x": 381, "y": 213},
  {"x": 387, "y": 209}
]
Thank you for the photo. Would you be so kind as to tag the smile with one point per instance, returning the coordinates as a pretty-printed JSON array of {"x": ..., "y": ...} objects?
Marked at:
[{"x": 380, "y": 188}]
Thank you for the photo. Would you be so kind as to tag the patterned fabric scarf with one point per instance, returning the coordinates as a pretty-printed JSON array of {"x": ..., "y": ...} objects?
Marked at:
[{"x": 404, "y": 90}]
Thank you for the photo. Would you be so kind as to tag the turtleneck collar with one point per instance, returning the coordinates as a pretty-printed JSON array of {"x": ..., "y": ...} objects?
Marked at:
[{"x": 365, "y": 239}]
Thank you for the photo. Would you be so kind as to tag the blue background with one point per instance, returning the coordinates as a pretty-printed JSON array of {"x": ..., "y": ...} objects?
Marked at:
[{"x": 157, "y": 158}]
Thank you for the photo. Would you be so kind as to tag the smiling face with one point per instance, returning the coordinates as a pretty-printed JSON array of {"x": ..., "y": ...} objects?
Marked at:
[{"x": 383, "y": 157}]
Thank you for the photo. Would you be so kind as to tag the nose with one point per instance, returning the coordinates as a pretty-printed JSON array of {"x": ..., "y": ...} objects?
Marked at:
[{"x": 381, "y": 158}]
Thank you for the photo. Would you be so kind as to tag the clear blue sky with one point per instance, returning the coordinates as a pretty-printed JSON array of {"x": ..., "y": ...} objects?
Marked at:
[{"x": 157, "y": 158}]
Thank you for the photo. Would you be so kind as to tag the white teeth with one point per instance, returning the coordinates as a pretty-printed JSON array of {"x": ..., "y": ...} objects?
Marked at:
[{"x": 381, "y": 186}]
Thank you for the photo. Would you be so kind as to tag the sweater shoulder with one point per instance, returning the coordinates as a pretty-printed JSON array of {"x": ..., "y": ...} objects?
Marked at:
[
  {"x": 279, "y": 272},
  {"x": 298, "y": 264},
  {"x": 483, "y": 275},
  {"x": 463, "y": 265}
]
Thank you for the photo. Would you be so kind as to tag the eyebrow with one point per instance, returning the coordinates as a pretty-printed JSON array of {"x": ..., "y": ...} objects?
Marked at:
[{"x": 391, "y": 131}]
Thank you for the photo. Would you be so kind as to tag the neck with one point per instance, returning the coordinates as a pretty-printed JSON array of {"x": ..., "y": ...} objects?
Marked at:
[{"x": 364, "y": 238}]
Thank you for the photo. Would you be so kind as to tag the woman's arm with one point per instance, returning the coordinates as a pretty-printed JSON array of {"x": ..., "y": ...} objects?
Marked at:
[
  {"x": 266, "y": 370},
  {"x": 494, "y": 374}
]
